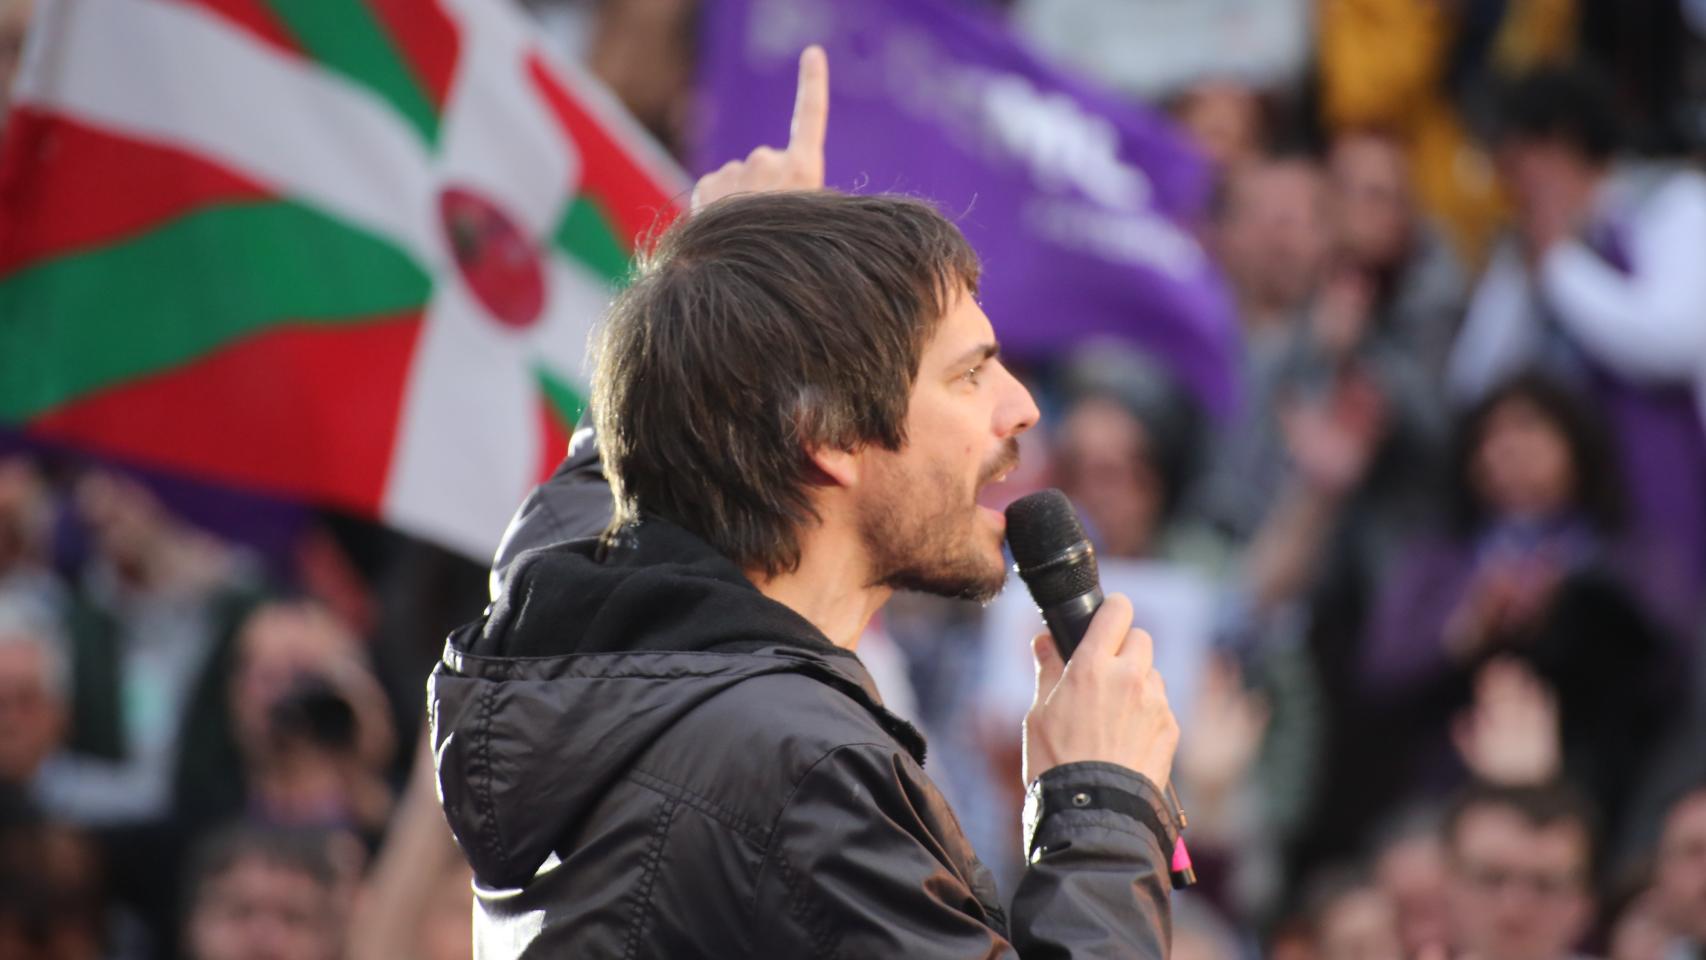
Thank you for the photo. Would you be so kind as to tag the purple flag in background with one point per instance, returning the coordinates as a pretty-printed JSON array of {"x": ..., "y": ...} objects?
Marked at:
[{"x": 1079, "y": 203}]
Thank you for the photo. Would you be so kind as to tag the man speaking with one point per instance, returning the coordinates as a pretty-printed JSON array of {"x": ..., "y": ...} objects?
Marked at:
[{"x": 659, "y": 741}]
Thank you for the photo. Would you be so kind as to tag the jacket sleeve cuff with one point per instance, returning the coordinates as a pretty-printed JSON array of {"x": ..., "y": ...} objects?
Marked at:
[{"x": 1077, "y": 787}]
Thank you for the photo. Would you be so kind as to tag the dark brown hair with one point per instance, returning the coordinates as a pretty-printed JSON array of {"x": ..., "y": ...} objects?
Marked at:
[
  {"x": 1540, "y": 805},
  {"x": 306, "y": 851},
  {"x": 758, "y": 329},
  {"x": 1572, "y": 105},
  {"x": 1598, "y": 492}
]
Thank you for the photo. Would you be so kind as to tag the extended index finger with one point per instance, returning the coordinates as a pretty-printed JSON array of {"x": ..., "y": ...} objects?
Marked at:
[{"x": 811, "y": 104}]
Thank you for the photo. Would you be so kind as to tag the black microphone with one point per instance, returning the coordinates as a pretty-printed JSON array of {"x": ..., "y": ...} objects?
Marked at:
[{"x": 1058, "y": 564}]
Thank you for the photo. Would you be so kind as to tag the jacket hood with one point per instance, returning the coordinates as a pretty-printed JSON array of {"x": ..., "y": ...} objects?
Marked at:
[{"x": 588, "y": 655}]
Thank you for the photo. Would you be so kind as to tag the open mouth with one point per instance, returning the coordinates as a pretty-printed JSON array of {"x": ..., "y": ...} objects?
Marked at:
[
  {"x": 989, "y": 484},
  {"x": 1003, "y": 465}
]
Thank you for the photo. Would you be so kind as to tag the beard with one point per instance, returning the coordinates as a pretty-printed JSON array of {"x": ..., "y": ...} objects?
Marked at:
[{"x": 922, "y": 534}]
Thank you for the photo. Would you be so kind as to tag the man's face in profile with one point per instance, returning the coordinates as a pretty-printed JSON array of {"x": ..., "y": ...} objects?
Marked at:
[{"x": 922, "y": 526}]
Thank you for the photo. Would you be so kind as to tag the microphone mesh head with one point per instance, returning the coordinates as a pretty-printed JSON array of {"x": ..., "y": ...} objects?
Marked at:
[{"x": 1040, "y": 528}]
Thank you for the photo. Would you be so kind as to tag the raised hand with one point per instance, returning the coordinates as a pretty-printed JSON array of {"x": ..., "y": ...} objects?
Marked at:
[
  {"x": 1509, "y": 735},
  {"x": 1227, "y": 727},
  {"x": 1343, "y": 311},
  {"x": 799, "y": 166},
  {"x": 1332, "y": 444}
]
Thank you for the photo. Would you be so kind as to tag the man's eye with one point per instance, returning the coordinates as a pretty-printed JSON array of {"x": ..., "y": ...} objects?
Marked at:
[{"x": 971, "y": 375}]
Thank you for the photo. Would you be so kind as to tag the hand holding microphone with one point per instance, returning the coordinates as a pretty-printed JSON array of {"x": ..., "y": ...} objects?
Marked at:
[{"x": 1108, "y": 703}]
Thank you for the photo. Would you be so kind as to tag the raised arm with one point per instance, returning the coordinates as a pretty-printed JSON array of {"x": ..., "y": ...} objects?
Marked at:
[
  {"x": 1648, "y": 323},
  {"x": 799, "y": 165}
]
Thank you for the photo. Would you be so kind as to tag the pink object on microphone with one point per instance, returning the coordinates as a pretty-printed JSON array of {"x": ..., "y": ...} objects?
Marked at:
[{"x": 1181, "y": 857}]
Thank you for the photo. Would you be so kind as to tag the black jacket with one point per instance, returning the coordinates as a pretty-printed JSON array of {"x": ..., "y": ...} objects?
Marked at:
[{"x": 643, "y": 756}]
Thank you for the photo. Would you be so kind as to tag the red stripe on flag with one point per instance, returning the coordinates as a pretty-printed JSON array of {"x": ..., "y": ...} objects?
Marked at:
[
  {"x": 555, "y": 438},
  {"x": 427, "y": 39},
  {"x": 301, "y": 411},
  {"x": 629, "y": 194},
  {"x": 66, "y": 186},
  {"x": 255, "y": 19}
]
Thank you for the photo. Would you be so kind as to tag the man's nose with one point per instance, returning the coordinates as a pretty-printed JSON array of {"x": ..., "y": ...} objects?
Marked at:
[{"x": 1018, "y": 411}]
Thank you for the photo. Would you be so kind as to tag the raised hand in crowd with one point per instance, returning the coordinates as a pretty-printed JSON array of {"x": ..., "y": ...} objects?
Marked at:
[
  {"x": 1509, "y": 734},
  {"x": 1507, "y": 597},
  {"x": 146, "y": 546},
  {"x": 1343, "y": 312},
  {"x": 1332, "y": 443},
  {"x": 1226, "y": 730}
]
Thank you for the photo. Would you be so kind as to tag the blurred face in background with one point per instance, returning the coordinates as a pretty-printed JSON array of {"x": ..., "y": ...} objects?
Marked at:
[
  {"x": 257, "y": 910},
  {"x": 1369, "y": 199},
  {"x": 1544, "y": 174},
  {"x": 1359, "y": 925},
  {"x": 280, "y": 644},
  {"x": 1102, "y": 461},
  {"x": 1522, "y": 466},
  {"x": 1680, "y": 883},
  {"x": 1273, "y": 238},
  {"x": 1640, "y": 933},
  {"x": 1518, "y": 891},
  {"x": 55, "y": 907},
  {"x": 1412, "y": 874},
  {"x": 1224, "y": 119},
  {"x": 32, "y": 711}
]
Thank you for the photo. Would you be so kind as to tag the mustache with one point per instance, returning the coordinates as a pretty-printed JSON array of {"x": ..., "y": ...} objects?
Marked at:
[{"x": 1004, "y": 461}]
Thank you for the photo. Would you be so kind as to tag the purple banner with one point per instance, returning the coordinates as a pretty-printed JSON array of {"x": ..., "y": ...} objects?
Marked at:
[{"x": 1081, "y": 204}]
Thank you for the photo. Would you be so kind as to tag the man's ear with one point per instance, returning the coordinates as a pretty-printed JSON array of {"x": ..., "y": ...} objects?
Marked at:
[{"x": 838, "y": 467}]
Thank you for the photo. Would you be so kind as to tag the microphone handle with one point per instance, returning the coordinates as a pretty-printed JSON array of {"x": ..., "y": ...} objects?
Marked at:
[{"x": 1067, "y": 622}]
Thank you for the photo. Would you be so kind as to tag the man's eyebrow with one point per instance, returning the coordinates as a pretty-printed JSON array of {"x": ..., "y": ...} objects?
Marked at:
[{"x": 982, "y": 353}]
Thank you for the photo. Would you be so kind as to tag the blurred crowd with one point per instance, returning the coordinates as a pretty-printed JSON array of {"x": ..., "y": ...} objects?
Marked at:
[{"x": 1430, "y": 605}]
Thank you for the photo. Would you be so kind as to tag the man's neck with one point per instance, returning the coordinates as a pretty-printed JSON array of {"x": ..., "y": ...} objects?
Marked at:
[{"x": 829, "y": 588}]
